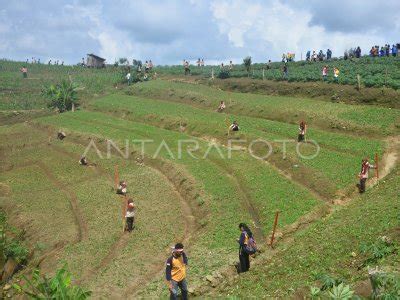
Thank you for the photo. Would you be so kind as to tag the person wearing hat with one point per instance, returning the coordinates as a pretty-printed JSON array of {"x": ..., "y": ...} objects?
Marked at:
[
  {"x": 234, "y": 126},
  {"x": 122, "y": 188},
  {"x": 61, "y": 135},
  {"x": 175, "y": 272},
  {"x": 83, "y": 161},
  {"x": 130, "y": 215}
]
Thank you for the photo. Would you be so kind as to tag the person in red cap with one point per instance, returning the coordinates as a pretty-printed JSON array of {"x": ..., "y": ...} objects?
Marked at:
[
  {"x": 130, "y": 215},
  {"x": 365, "y": 166},
  {"x": 175, "y": 272}
]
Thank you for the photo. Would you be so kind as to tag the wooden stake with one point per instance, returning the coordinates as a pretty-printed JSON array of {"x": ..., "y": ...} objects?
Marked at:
[
  {"x": 116, "y": 177},
  {"x": 359, "y": 81},
  {"x": 212, "y": 73},
  {"x": 274, "y": 229},
  {"x": 376, "y": 166},
  {"x": 263, "y": 74},
  {"x": 228, "y": 124},
  {"x": 124, "y": 208}
]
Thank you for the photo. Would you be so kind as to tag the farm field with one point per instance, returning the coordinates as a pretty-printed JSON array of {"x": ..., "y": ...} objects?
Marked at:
[
  {"x": 374, "y": 72},
  {"x": 193, "y": 182}
]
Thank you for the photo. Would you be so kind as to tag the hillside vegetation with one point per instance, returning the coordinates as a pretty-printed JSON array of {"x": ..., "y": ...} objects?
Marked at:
[
  {"x": 194, "y": 183},
  {"x": 374, "y": 71}
]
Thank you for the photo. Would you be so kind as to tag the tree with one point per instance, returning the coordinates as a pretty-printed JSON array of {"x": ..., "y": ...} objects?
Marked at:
[
  {"x": 62, "y": 96},
  {"x": 247, "y": 64},
  {"x": 123, "y": 61}
]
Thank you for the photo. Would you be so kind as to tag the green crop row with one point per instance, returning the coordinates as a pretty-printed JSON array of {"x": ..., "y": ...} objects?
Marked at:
[{"x": 335, "y": 149}]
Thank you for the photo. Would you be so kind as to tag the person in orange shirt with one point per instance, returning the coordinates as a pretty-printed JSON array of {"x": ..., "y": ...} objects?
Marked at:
[{"x": 175, "y": 272}]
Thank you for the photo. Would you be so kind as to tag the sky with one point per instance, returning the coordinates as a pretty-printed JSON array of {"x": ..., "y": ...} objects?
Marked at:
[{"x": 172, "y": 30}]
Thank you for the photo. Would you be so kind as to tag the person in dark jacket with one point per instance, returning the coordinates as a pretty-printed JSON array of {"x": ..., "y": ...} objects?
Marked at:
[
  {"x": 175, "y": 272},
  {"x": 245, "y": 235}
]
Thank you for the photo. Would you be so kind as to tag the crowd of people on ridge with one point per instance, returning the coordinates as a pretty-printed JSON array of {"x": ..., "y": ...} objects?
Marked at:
[{"x": 384, "y": 50}]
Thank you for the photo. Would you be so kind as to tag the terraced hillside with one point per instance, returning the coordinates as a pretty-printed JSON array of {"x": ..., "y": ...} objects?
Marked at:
[{"x": 192, "y": 182}]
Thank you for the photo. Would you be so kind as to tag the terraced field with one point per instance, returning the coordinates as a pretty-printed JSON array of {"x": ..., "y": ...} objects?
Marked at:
[{"x": 195, "y": 182}]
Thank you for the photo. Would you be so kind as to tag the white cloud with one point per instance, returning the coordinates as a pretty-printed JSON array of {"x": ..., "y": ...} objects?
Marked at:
[{"x": 281, "y": 27}]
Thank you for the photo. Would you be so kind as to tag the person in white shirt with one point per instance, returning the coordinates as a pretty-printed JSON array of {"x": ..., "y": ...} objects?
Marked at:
[
  {"x": 122, "y": 188},
  {"x": 128, "y": 78},
  {"x": 363, "y": 175},
  {"x": 130, "y": 215},
  {"x": 221, "y": 106}
]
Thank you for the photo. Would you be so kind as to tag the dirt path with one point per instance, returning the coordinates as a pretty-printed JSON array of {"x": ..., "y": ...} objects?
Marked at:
[{"x": 390, "y": 157}]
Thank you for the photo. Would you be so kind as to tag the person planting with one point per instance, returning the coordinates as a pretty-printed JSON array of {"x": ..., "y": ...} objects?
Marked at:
[
  {"x": 61, "y": 135},
  {"x": 221, "y": 106},
  {"x": 122, "y": 188},
  {"x": 247, "y": 247},
  {"x": 83, "y": 161},
  {"x": 302, "y": 132},
  {"x": 363, "y": 175},
  {"x": 234, "y": 126}
]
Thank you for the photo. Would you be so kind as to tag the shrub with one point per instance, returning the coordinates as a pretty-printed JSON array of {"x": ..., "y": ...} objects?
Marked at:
[
  {"x": 378, "y": 250},
  {"x": 331, "y": 289},
  {"x": 58, "y": 287},
  {"x": 223, "y": 74},
  {"x": 385, "y": 286},
  {"x": 12, "y": 247}
]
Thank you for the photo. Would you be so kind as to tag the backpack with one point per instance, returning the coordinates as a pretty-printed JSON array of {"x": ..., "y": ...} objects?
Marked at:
[{"x": 251, "y": 247}]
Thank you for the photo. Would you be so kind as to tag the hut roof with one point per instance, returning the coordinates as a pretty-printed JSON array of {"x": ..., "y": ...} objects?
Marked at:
[{"x": 96, "y": 57}]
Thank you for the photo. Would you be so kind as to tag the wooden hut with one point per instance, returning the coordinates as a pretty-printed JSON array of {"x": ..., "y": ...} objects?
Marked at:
[{"x": 94, "y": 61}]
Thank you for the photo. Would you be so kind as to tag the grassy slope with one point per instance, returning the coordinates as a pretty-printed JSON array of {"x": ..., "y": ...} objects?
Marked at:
[
  {"x": 217, "y": 237},
  {"x": 50, "y": 218},
  {"x": 225, "y": 204},
  {"x": 336, "y": 149},
  {"x": 18, "y": 93},
  {"x": 325, "y": 115},
  {"x": 326, "y": 246}
]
